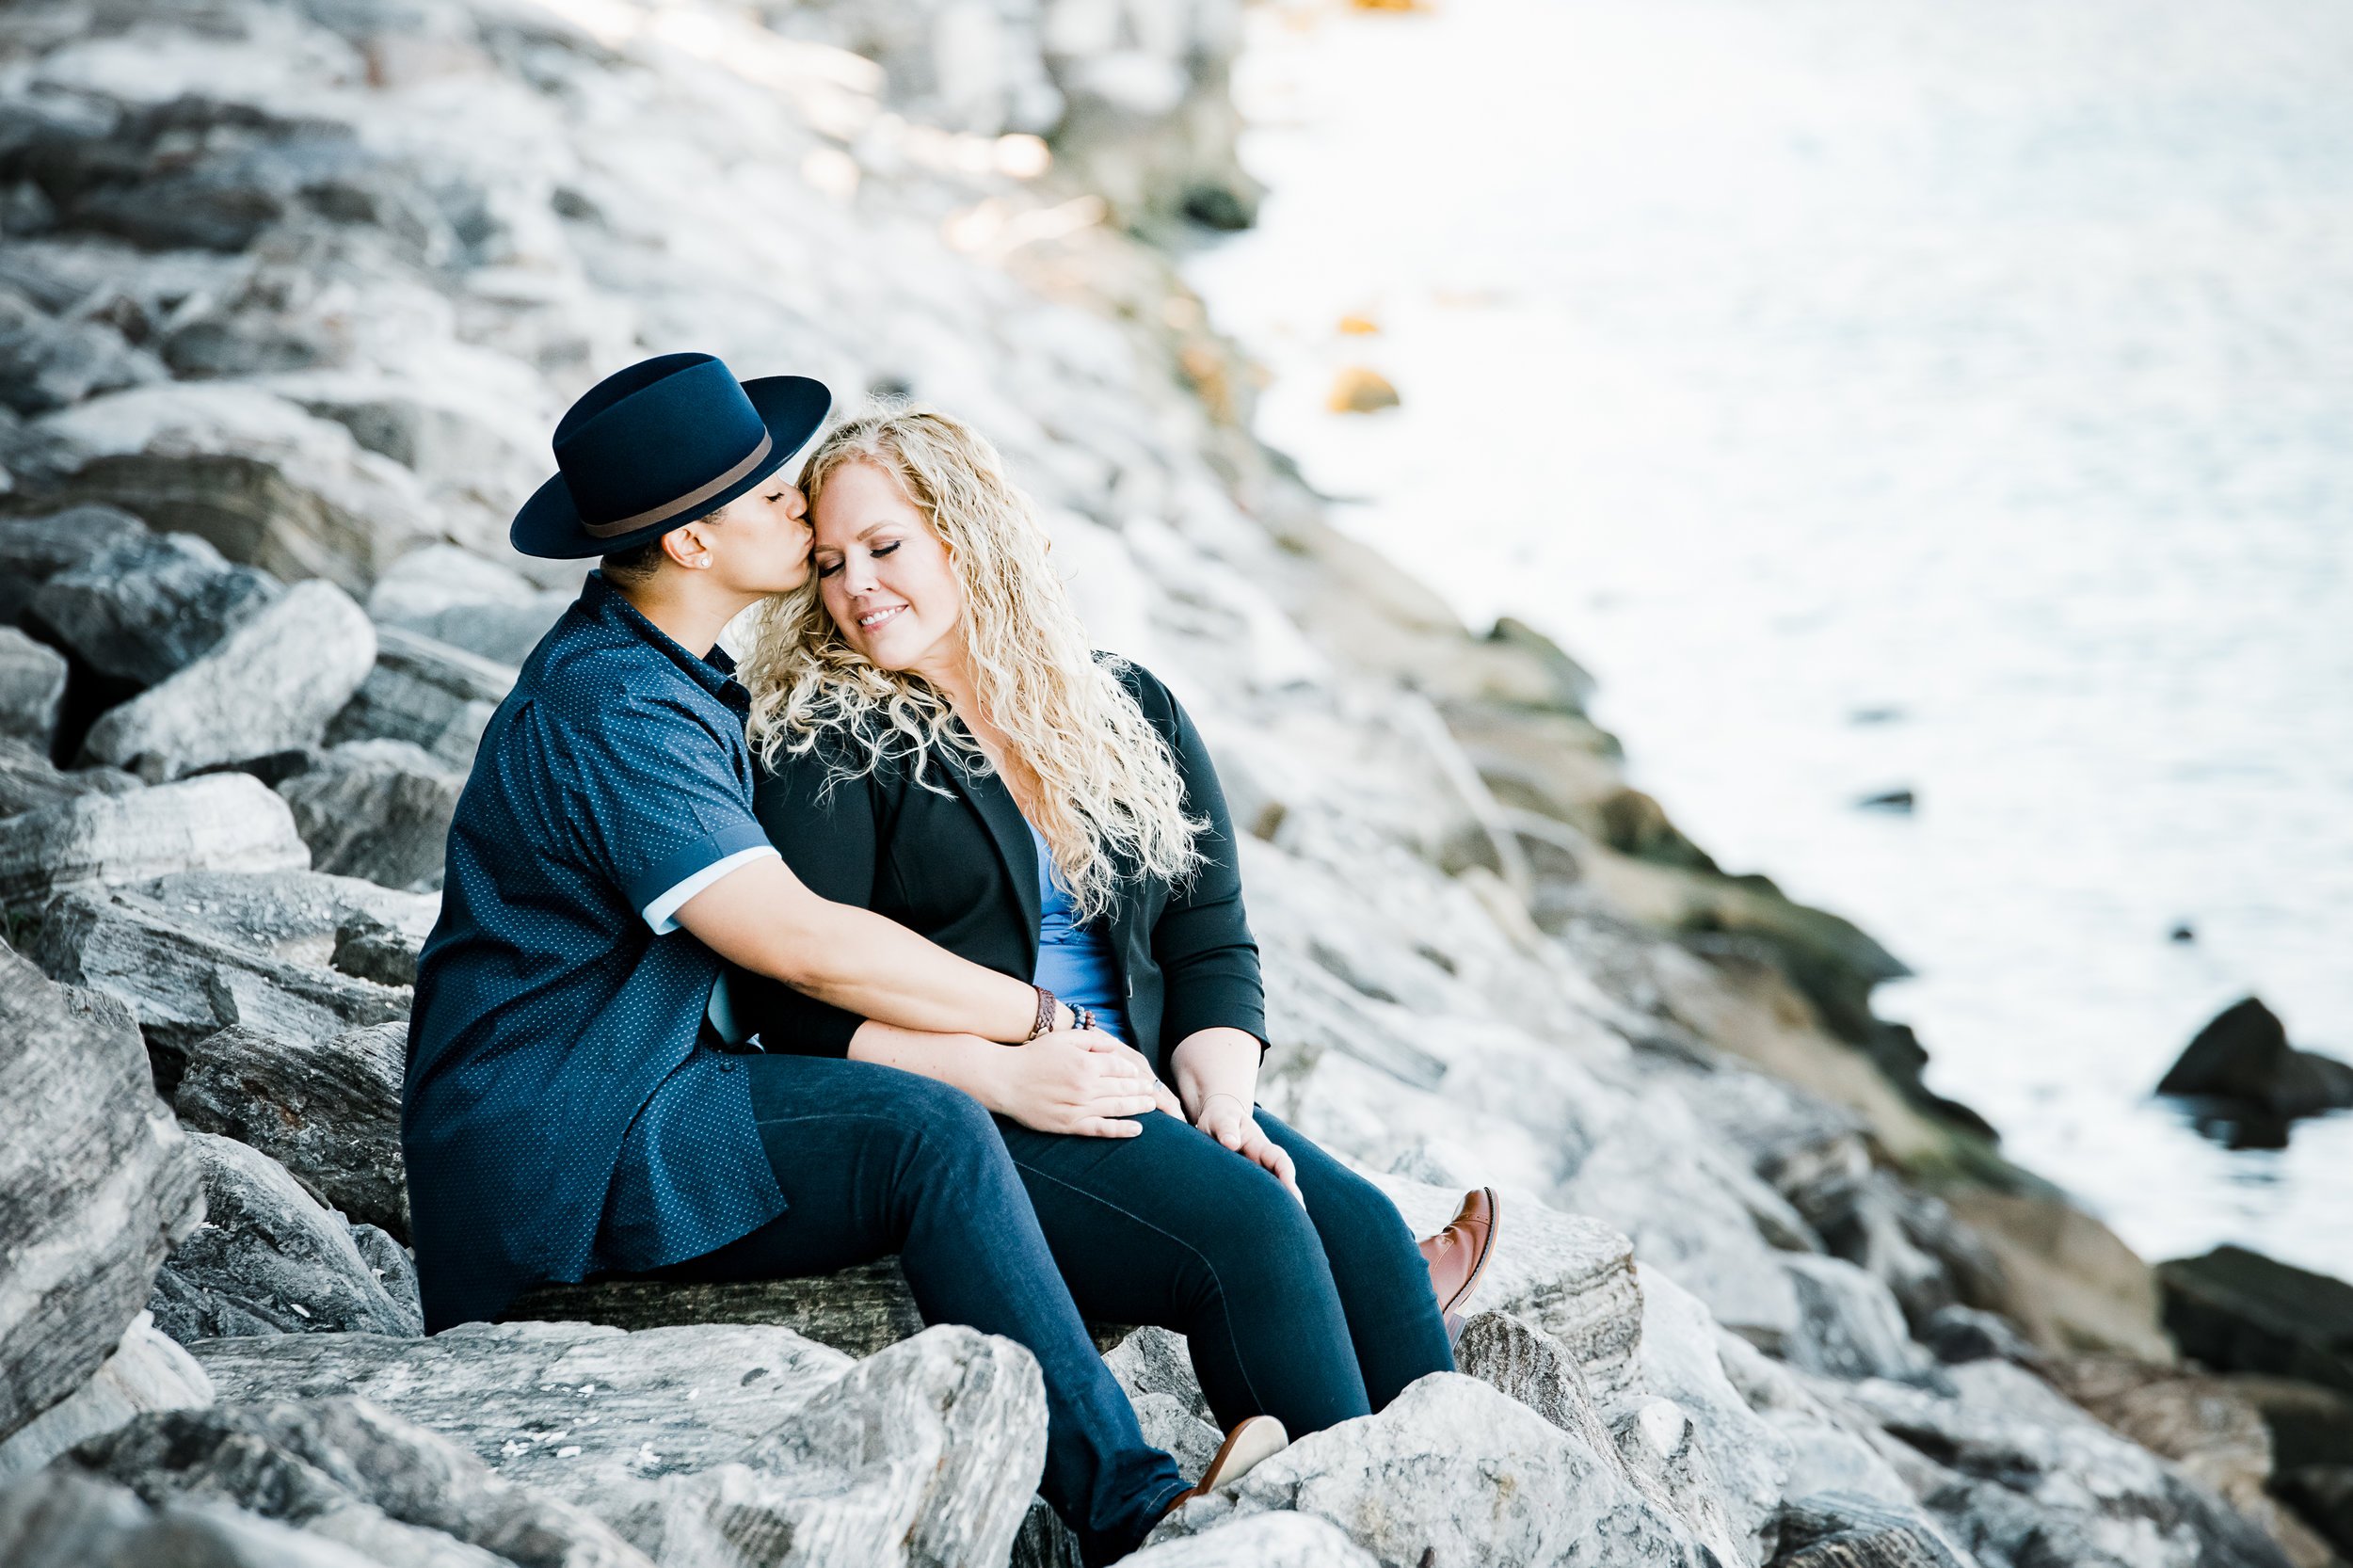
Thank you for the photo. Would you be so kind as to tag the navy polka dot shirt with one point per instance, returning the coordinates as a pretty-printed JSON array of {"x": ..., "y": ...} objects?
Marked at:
[{"x": 559, "y": 1114}]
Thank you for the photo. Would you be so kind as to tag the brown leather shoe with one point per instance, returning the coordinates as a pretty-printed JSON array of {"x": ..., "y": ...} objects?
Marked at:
[
  {"x": 1458, "y": 1255},
  {"x": 1257, "y": 1438}
]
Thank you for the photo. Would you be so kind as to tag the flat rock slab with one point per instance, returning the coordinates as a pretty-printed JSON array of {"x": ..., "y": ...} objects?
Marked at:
[
  {"x": 270, "y": 685},
  {"x": 150, "y": 605},
  {"x": 2239, "y": 1311},
  {"x": 29, "y": 780},
  {"x": 65, "y": 1519},
  {"x": 225, "y": 822},
  {"x": 147, "y": 1371},
  {"x": 857, "y": 1310},
  {"x": 561, "y": 1404},
  {"x": 425, "y": 692},
  {"x": 97, "y": 1183},
  {"x": 377, "y": 809}
]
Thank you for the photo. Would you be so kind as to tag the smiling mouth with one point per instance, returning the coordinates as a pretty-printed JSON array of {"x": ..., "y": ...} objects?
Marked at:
[{"x": 874, "y": 618}]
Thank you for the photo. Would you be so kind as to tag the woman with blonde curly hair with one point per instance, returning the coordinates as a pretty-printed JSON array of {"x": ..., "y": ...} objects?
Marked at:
[{"x": 939, "y": 742}]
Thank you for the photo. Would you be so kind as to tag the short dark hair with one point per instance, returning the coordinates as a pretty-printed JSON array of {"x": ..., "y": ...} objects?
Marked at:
[{"x": 635, "y": 566}]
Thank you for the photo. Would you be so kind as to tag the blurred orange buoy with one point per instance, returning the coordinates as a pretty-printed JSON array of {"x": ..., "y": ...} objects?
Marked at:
[{"x": 1358, "y": 391}]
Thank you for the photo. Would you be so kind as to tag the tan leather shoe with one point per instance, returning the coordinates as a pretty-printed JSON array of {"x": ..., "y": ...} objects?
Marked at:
[
  {"x": 1458, "y": 1255},
  {"x": 1257, "y": 1438}
]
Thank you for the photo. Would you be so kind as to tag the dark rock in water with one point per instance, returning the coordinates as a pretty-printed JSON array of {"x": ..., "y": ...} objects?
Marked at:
[
  {"x": 28, "y": 780},
  {"x": 1956, "y": 1334},
  {"x": 2323, "y": 1494},
  {"x": 2310, "y": 1424},
  {"x": 1900, "y": 801},
  {"x": 61, "y": 1518},
  {"x": 378, "y": 809},
  {"x": 271, "y": 684},
  {"x": 2244, "y": 1056},
  {"x": 1875, "y": 716},
  {"x": 351, "y": 1466},
  {"x": 149, "y": 606},
  {"x": 32, "y": 686},
  {"x": 49, "y": 363},
  {"x": 97, "y": 1184},
  {"x": 268, "y": 1260},
  {"x": 34, "y": 550},
  {"x": 2239, "y": 1311},
  {"x": 2182, "y": 933},
  {"x": 327, "y": 1110},
  {"x": 1842, "y": 1530},
  {"x": 367, "y": 949}
]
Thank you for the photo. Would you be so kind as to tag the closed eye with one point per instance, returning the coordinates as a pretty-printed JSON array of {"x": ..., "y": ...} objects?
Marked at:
[{"x": 886, "y": 549}]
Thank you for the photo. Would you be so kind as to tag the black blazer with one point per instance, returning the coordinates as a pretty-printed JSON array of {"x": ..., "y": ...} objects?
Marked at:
[{"x": 961, "y": 870}]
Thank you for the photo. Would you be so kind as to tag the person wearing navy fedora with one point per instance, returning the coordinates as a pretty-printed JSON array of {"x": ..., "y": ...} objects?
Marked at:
[{"x": 573, "y": 1104}]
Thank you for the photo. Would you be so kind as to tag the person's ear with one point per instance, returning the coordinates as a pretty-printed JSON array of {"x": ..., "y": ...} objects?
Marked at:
[{"x": 687, "y": 545}]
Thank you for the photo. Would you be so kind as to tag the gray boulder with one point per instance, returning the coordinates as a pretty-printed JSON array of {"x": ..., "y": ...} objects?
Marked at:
[
  {"x": 456, "y": 597},
  {"x": 32, "y": 684},
  {"x": 2242, "y": 1059},
  {"x": 710, "y": 1444},
  {"x": 378, "y": 809},
  {"x": 427, "y": 693},
  {"x": 28, "y": 780},
  {"x": 48, "y": 363},
  {"x": 1840, "y": 1530},
  {"x": 1682, "y": 1360},
  {"x": 391, "y": 1262},
  {"x": 268, "y": 1260},
  {"x": 149, "y": 606},
  {"x": 97, "y": 1183},
  {"x": 2239, "y": 1311},
  {"x": 1849, "y": 1324},
  {"x": 345, "y": 1471},
  {"x": 1154, "y": 1363},
  {"x": 61, "y": 1518},
  {"x": 328, "y": 1111},
  {"x": 271, "y": 684},
  {"x": 186, "y": 978},
  {"x": 1453, "y": 1471},
  {"x": 1262, "y": 1540},
  {"x": 147, "y": 1371},
  {"x": 33, "y": 550},
  {"x": 858, "y": 1310},
  {"x": 226, "y": 821}
]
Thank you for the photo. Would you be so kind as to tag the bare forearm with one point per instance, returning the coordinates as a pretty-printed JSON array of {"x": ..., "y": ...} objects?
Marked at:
[
  {"x": 966, "y": 1061},
  {"x": 764, "y": 918},
  {"x": 1216, "y": 1061}
]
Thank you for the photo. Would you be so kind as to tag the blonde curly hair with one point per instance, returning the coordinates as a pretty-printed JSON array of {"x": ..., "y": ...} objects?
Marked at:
[{"x": 1112, "y": 802}]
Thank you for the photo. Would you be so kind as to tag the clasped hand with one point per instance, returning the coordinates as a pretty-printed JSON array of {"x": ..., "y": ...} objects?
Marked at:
[{"x": 1081, "y": 1080}]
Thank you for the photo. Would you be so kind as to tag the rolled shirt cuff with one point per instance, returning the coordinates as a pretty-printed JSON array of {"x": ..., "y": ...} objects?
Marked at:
[{"x": 660, "y": 912}]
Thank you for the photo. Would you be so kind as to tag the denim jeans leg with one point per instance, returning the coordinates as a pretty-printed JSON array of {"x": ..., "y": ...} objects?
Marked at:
[{"x": 873, "y": 1159}]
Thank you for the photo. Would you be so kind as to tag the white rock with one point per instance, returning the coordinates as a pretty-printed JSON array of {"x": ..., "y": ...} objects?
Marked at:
[
  {"x": 1261, "y": 1541},
  {"x": 147, "y": 1371}
]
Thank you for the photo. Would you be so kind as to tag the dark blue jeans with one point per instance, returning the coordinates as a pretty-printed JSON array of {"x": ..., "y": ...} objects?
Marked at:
[{"x": 990, "y": 1220}]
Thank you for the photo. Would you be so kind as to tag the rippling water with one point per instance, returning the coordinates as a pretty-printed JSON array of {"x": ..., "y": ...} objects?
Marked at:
[{"x": 1892, "y": 393}]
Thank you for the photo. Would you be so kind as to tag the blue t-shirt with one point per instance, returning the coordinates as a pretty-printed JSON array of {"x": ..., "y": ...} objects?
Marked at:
[{"x": 1075, "y": 961}]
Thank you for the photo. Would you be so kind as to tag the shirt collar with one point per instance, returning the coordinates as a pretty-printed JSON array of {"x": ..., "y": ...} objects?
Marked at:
[{"x": 604, "y": 602}]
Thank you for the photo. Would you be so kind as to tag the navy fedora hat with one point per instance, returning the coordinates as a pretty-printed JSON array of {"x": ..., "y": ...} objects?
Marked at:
[{"x": 659, "y": 444}]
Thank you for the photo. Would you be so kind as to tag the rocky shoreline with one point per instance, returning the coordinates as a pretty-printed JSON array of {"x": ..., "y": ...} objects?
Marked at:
[{"x": 291, "y": 292}]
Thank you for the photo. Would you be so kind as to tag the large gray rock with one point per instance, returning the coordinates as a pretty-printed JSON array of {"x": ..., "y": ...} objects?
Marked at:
[
  {"x": 427, "y": 693},
  {"x": 270, "y": 685},
  {"x": 97, "y": 1182},
  {"x": 711, "y": 1444},
  {"x": 2026, "y": 1477},
  {"x": 148, "y": 606},
  {"x": 2239, "y": 1311},
  {"x": 268, "y": 1260},
  {"x": 34, "y": 549},
  {"x": 1453, "y": 1471},
  {"x": 224, "y": 821},
  {"x": 1840, "y": 1530},
  {"x": 48, "y": 363},
  {"x": 378, "y": 809},
  {"x": 1849, "y": 1324},
  {"x": 28, "y": 780},
  {"x": 147, "y": 1371},
  {"x": 328, "y": 1111},
  {"x": 346, "y": 1470},
  {"x": 1261, "y": 1541},
  {"x": 185, "y": 979},
  {"x": 1682, "y": 1362},
  {"x": 32, "y": 684},
  {"x": 456, "y": 597},
  {"x": 64, "y": 1519}
]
